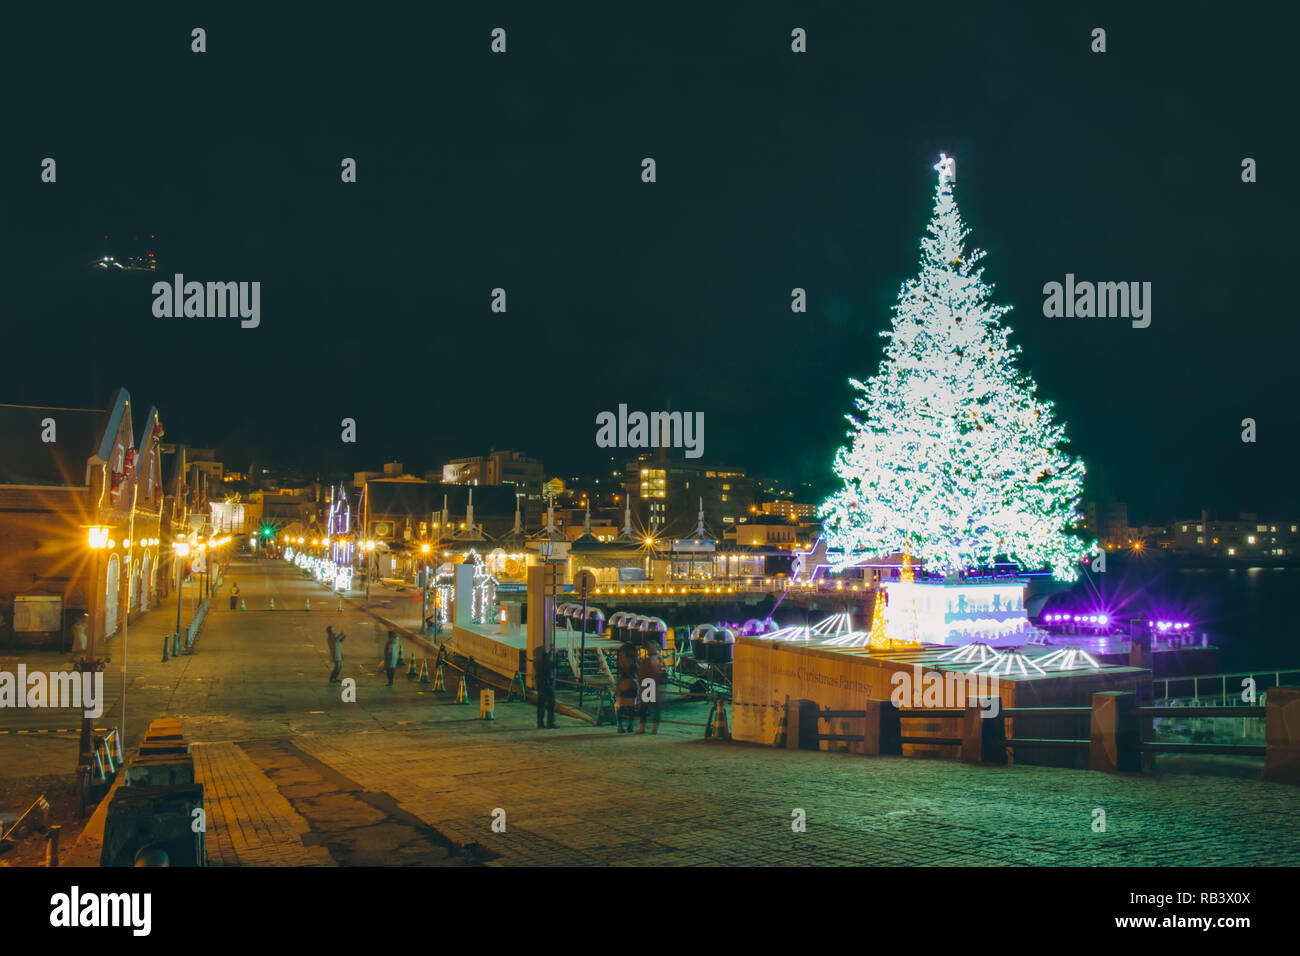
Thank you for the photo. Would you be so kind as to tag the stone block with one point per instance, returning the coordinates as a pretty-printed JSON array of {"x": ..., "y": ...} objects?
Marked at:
[
  {"x": 165, "y": 770},
  {"x": 154, "y": 816},
  {"x": 1282, "y": 735},
  {"x": 1115, "y": 735}
]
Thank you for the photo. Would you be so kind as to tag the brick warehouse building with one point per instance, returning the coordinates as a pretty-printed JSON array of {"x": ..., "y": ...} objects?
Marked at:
[{"x": 63, "y": 473}]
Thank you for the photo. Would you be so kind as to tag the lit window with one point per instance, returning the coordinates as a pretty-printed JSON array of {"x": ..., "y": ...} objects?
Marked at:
[
  {"x": 1200, "y": 540},
  {"x": 1250, "y": 539}
]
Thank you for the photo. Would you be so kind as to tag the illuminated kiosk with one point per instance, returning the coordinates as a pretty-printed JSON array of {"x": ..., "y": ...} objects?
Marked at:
[
  {"x": 940, "y": 613},
  {"x": 836, "y": 665}
]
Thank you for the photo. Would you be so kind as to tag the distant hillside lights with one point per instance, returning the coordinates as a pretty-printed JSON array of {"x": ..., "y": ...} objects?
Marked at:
[
  {"x": 219, "y": 300},
  {"x": 639, "y": 430}
]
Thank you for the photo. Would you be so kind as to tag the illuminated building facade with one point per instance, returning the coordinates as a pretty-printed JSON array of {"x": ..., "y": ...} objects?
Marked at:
[{"x": 81, "y": 518}]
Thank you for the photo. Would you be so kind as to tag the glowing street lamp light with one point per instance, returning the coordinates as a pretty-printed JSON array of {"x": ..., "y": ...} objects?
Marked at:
[
  {"x": 182, "y": 549},
  {"x": 370, "y": 565},
  {"x": 97, "y": 540}
]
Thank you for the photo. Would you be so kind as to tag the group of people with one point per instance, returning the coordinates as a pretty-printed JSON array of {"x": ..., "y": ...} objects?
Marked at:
[
  {"x": 641, "y": 685},
  {"x": 392, "y": 654},
  {"x": 642, "y": 681}
]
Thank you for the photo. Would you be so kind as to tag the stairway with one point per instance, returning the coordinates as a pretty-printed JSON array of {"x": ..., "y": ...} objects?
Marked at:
[{"x": 595, "y": 677}]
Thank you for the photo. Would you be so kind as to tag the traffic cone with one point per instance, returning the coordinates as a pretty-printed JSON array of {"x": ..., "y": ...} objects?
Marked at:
[
  {"x": 717, "y": 727},
  {"x": 242, "y": 606},
  {"x": 309, "y": 604},
  {"x": 523, "y": 694},
  {"x": 400, "y": 659},
  {"x": 424, "y": 671},
  {"x": 410, "y": 671},
  {"x": 439, "y": 681},
  {"x": 462, "y": 692},
  {"x": 272, "y": 604},
  {"x": 340, "y": 605}
]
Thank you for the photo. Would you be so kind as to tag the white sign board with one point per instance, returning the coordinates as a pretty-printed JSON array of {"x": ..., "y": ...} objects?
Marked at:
[{"x": 38, "y": 612}]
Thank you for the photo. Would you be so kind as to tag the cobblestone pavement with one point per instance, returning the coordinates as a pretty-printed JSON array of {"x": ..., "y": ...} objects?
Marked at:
[
  {"x": 586, "y": 797},
  {"x": 248, "y": 821},
  {"x": 401, "y": 762}
]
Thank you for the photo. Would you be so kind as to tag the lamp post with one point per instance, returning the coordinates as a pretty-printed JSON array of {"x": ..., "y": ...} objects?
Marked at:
[
  {"x": 424, "y": 591},
  {"x": 97, "y": 539},
  {"x": 182, "y": 549},
  {"x": 370, "y": 563}
]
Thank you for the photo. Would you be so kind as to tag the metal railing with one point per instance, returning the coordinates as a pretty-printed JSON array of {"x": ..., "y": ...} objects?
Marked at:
[{"x": 1197, "y": 681}]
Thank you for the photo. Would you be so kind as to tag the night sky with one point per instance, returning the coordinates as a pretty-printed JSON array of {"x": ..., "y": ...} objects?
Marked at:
[{"x": 775, "y": 170}]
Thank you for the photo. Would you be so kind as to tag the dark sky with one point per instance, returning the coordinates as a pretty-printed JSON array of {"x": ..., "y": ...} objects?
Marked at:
[{"x": 775, "y": 170}]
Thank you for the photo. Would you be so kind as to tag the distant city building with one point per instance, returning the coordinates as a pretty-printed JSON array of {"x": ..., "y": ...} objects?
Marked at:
[
  {"x": 284, "y": 507},
  {"x": 205, "y": 460},
  {"x": 1246, "y": 537},
  {"x": 502, "y": 468},
  {"x": 400, "y": 510},
  {"x": 1107, "y": 521},
  {"x": 666, "y": 493},
  {"x": 768, "y": 531},
  {"x": 793, "y": 510}
]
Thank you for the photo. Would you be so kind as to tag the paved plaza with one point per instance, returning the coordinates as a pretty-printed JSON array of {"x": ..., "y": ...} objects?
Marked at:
[{"x": 295, "y": 776}]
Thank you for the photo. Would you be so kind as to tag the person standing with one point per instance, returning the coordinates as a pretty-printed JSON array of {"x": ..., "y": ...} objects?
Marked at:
[
  {"x": 234, "y": 596},
  {"x": 626, "y": 703},
  {"x": 653, "y": 680},
  {"x": 544, "y": 671},
  {"x": 390, "y": 656},
  {"x": 78, "y": 631},
  {"x": 336, "y": 652}
]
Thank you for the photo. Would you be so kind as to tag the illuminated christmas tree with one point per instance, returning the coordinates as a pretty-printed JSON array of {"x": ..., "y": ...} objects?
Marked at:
[{"x": 955, "y": 462}]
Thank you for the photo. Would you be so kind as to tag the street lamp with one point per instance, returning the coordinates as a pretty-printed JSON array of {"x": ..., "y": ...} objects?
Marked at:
[
  {"x": 424, "y": 591},
  {"x": 370, "y": 565},
  {"x": 97, "y": 541},
  {"x": 182, "y": 550}
]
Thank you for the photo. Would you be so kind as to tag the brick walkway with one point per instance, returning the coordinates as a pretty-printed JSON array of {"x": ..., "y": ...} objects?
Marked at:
[
  {"x": 402, "y": 759},
  {"x": 249, "y": 822},
  {"x": 581, "y": 797}
]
